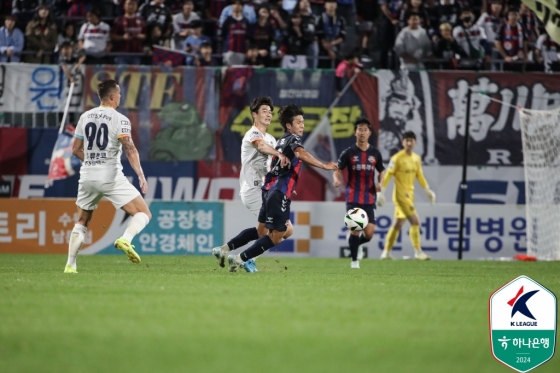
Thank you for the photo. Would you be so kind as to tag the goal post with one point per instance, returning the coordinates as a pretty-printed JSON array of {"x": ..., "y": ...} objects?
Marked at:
[{"x": 540, "y": 132}]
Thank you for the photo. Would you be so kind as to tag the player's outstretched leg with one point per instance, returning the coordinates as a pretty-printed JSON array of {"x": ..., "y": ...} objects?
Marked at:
[
  {"x": 258, "y": 248},
  {"x": 76, "y": 241},
  {"x": 137, "y": 223},
  {"x": 243, "y": 238},
  {"x": 414, "y": 233}
]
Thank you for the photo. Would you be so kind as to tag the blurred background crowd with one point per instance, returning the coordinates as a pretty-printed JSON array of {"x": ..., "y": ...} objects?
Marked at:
[{"x": 411, "y": 34}]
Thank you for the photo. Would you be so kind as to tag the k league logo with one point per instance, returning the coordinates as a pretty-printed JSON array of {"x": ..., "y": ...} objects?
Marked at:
[{"x": 522, "y": 316}]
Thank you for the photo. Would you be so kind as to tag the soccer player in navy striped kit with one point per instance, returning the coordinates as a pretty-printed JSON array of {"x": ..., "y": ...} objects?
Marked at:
[
  {"x": 279, "y": 184},
  {"x": 361, "y": 160}
]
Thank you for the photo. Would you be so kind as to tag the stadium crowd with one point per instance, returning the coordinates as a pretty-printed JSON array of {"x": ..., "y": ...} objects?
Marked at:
[{"x": 445, "y": 34}]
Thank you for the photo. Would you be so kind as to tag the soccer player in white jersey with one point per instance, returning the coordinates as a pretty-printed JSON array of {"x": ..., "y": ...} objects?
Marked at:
[
  {"x": 256, "y": 147},
  {"x": 100, "y": 136}
]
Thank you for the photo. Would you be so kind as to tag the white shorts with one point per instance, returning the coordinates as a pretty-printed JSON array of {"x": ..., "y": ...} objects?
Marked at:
[
  {"x": 119, "y": 191},
  {"x": 252, "y": 199}
]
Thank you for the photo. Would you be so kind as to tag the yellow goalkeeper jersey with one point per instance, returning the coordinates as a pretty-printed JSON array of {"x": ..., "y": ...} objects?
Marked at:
[{"x": 404, "y": 168}]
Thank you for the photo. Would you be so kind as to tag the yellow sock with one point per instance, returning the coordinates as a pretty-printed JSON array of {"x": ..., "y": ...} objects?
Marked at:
[
  {"x": 414, "y": 233},
  {"x": 392, "y": 235}
]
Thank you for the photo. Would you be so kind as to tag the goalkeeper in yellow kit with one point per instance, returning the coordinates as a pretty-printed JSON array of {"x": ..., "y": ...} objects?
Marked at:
[{"x": 405, "y": 166}]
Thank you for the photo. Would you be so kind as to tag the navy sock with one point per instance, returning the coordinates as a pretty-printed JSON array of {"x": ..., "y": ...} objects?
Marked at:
[
  {"x": 260, "y": 246},
  {"x": 354, "y": 242},
  {"x": 363, "y": 239},
  {"x": 243, "y": 238}
]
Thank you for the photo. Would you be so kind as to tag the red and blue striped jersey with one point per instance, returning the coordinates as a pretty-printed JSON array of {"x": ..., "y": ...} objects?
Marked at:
[
  {"x": 285, "y": 179},
  {"x": 361, "y": 173},
  {"x": 235, "y": 33}
]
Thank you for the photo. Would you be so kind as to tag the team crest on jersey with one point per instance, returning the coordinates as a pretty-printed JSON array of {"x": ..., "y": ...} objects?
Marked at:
[{"x": 371, "y": 159}]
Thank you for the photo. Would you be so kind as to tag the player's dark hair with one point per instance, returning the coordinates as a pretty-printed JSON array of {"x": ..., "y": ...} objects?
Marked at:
[
  {"x": 106, "y": 87},
  {"x": 513, "y": 10},
  {"x": 287, "y": 113},
  {"x": 260, "y": 101},
  {"x": 409, "y": 135},
  {"x": 362, "y": 120}
]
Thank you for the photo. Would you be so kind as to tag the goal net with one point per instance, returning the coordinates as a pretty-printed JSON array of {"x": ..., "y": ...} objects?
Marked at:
[{"x": 540, "y": 131}]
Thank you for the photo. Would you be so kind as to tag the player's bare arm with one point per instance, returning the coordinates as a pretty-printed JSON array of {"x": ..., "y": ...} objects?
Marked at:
[
  {"x": 337, "y": 180},
  {"x": 380, "y": 178},
  {"x": 134, "y": 159},
  {"x": 265, "y": 148},
  {"x": 78, "y": 148},
  {"x": 312, "y": 161}
]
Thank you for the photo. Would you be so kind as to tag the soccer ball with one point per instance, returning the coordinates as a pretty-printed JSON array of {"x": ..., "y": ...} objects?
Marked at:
[{"x": 356, "y": 219}]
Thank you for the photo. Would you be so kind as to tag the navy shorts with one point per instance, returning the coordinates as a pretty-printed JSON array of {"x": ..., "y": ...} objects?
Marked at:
[
  {"x": 369, "y": 209},
  {"x": 276, "y": 208},
  {"x": 262, "y": 212}
]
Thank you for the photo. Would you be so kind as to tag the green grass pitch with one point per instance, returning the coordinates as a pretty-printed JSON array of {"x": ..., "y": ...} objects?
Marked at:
[{"x": 184, "y": 314}]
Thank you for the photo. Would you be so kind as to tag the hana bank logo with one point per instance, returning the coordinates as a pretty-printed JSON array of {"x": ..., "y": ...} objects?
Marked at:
[{"x": 519, "y": 305}]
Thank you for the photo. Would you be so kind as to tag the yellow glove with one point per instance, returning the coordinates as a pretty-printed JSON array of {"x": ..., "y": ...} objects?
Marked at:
[
  {"x": 380, "y": 198},
  {"x": 431, "y": 195}
]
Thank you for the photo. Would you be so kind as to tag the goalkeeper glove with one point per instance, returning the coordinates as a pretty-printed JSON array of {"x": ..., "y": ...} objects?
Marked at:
[
  {"x": 431, "y": 195},
  {"x": 380, "y": 201}
]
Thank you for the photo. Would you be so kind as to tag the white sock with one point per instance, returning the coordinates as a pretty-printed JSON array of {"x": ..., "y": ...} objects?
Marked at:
[
  {"x": 224, "y": 248},
  {"x": 137, "y": 223},
  {"x": 75, "y": 244}
]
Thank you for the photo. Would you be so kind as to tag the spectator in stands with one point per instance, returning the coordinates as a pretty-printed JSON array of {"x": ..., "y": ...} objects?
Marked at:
[
  {"x": 366, "y": 11},
  {"x": 447, "y": 48},
  {"x": 235, "y": 35},
  {"x": 70, "y": 60},
  {"x": 317, "y": 7},
  {"x": 182, "y": 23},
  {"x": 94, "y": 38},
  {"x": 253, "y": 57},
  {"x": 490, "y": 21},
  {"x": 471, "y": 38},
  {"x": 511, "y": 42},
  {"x": 331, "y": 32},
  {"x": 156, "y": 12},
  {"x": 77, "y": 8},
  {"x": 205, "y": 58},
  {"x": 529, "y": 22},
  {"x": 68, "y": 34},
  {"x": 546, "y": 53},
  {"x": 41, "y": 36},
  {"x": 247, "y": 10},
  {"x": 308, "y": 31},
  {"x": 278, "y": 17},
  {"x": 11, "y": 41},
  {"x": 347, "y": 10},
  {"x": 214, "y": 10},
  {"x": 446, "y": 11},
  {"x": 193, "y": 42},
  {"x": 348, "y": 67},
  {"x": 289, "y": 5},
  {"x": 129, "y": 34},
  {"x": 295, "y": 44},
  {"x": 388, "y": 29},
  {"x": 155, "y": 38},
  {"x": 416, "y": 6},
  {"x": 413, "y": 44},
  {"x": 264, "y": 34},
  {"x": 24, "y": 10}
]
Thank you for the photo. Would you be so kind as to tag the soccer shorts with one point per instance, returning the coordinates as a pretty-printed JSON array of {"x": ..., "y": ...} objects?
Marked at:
[
  {"x": 404, "y": 207},
  {"x": 277, "y": 211},
  {"x": 253, "y": 200},
  {"x": 118, "y": 191},
  {"x": 369, "y": 209}
]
